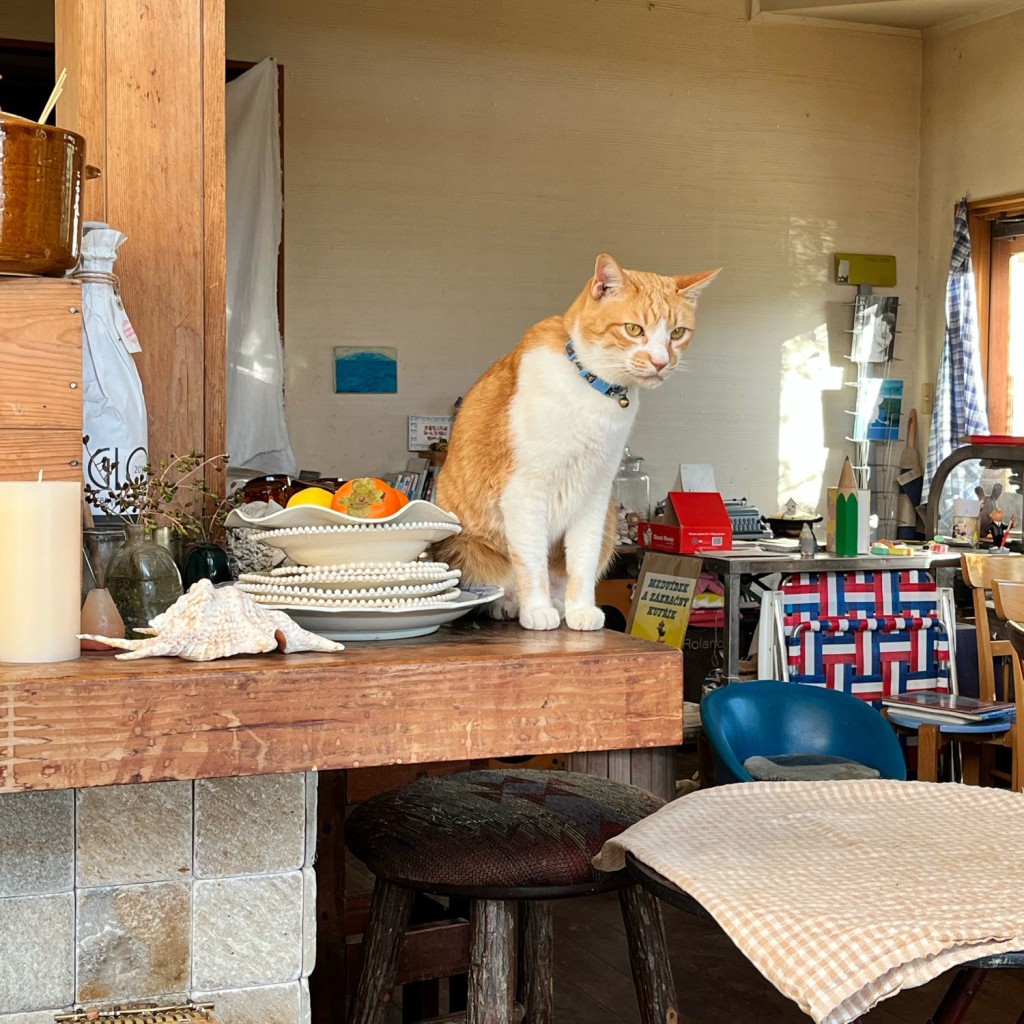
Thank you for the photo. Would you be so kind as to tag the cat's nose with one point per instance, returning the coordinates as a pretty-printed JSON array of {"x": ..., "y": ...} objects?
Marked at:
[{"x": 659, "y": 364}]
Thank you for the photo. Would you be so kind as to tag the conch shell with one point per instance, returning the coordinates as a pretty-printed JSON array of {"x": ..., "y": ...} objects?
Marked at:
[{"x": 215, "y": 622}]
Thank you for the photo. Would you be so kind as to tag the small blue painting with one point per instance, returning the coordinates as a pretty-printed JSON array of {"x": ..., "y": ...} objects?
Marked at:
[{"x": 365, "y": 371}]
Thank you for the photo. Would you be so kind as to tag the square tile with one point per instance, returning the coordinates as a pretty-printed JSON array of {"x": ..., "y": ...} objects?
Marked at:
[
  {"x": 308, "y": 921},
  {"x": 312, "y": 796},
  {"x": 136, "y": 833},
  {"x": 134, "y": 941},
  {"x": 247, "y": 931},
  {"x": 250, "y": 826},
  {"x": 271, "y": 1004},
  {"x": 37, "y": 952},
  {"x": 34, "y": 1016},
  {"x": 37, "y": 845}
]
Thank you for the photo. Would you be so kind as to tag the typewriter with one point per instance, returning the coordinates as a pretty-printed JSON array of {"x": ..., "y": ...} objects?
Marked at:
[{"x": 747, "y": 521}]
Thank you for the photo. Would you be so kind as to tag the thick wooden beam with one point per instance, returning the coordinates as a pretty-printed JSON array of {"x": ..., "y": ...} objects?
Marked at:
[
  {"x": 80, "y": 47},
  {"x": 146, "y": 89},
  {"x": 470, "y": 691},
  {"x": 215, "y": 396}
]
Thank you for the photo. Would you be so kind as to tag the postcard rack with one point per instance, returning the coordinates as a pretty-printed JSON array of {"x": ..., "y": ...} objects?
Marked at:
[{"x": 877, "y": 413}]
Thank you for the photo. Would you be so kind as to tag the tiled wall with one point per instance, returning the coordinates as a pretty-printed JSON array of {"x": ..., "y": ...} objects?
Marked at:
[{"x": 167, "y": 891}]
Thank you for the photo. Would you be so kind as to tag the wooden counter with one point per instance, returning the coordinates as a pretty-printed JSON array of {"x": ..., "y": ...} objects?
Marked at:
[{"x": 472, "y": 690}]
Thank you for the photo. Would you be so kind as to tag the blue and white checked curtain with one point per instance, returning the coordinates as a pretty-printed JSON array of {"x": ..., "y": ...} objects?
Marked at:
[{"x": 960, "y": 407}]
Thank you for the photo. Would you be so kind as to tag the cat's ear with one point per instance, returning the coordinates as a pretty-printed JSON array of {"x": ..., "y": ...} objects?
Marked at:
[
  {"x": 693, "y": 284},
  {"x": 608, "y": 276}
]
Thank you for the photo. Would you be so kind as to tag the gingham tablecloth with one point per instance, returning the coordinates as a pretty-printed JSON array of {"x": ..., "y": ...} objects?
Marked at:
[{"x": 844, "y": 893}]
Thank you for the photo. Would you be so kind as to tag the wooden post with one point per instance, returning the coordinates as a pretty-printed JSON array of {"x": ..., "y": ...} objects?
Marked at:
[
  {"x": 648, "y": 956},
  {"x": 80, "y": 46},
  {"x": 389, "y": 916},
  {"x": 536, "y": 981},
  {"x": 492, "y": 962},
  {"x": 145, "y": 87}
]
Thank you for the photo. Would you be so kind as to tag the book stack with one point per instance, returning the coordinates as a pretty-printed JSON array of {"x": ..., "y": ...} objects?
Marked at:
[
  {"x": 417, "y": 482},
  {"x": 949, "y": 708}
]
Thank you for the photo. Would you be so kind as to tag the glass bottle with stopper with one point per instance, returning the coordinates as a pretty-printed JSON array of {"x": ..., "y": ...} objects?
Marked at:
[{"x": 632, "y": 495}]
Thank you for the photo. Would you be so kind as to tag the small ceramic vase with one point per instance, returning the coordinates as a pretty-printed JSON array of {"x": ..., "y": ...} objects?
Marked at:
[{"x": 101, "y": 618}]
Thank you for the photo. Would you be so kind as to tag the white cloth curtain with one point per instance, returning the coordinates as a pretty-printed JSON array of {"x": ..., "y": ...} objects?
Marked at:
[{"x": 257, "y": 433}]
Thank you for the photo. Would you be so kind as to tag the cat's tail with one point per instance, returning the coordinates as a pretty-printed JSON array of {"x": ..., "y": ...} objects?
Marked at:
[{"x": 480, "y": 563}]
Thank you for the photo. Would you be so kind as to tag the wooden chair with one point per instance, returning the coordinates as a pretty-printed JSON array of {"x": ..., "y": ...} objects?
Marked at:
[{"x": 979, "y": 571}]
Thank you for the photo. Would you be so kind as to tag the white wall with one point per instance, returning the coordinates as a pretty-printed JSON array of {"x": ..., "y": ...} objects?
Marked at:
[
  {"x": 971, "y": 144},
  {"x": 452, "y": 169}
]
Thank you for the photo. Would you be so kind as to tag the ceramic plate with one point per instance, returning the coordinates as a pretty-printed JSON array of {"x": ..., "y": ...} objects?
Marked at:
[
  {"x": 304, "y": 586},
  {"x": 384, "y": 597},
  {"x": 334, "y": 545},
  {"x": 391, "y": 623},
  {"x": 316, "y": 515},
  {"x": 356, "y": 575}
]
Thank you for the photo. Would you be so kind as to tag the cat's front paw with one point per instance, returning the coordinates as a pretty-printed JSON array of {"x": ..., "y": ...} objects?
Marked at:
[
  {"x": 539, "y": 616},
  {"x": 584, "y": 617},
  {"x": 505, "y": 609}
]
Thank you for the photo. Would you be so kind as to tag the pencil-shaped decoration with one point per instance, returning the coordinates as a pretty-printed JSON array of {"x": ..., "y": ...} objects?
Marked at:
[{"x": 846, "y": 513}]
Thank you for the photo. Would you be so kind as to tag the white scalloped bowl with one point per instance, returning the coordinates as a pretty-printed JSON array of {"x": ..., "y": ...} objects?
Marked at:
[
  {"x": 419, "y": 511},
  {"x": 338, "y": 545}
]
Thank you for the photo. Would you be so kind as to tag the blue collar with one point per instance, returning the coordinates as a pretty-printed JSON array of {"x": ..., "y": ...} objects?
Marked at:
[{"x": 611, "y": 390}]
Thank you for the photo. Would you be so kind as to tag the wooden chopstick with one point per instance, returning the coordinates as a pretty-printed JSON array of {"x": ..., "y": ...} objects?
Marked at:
[{"x": 54, "y": 96}]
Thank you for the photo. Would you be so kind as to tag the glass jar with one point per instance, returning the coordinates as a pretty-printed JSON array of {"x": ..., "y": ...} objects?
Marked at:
[
  {"x": 632, "y": 494},
  {"x": 99, "y": 545},
  {"x": 142, "y": 579}
]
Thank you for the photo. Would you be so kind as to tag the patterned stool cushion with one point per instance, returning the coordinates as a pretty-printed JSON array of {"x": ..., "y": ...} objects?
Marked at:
[{"x": 494, "y": 830}]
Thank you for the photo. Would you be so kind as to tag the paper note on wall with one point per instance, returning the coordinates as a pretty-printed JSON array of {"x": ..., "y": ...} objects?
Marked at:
[{"x": 696, "y": 476}]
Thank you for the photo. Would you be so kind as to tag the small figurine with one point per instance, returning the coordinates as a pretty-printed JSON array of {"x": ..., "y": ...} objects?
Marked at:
[
  {"x": 988, "y": 506},
  {"x": 999, "y": 531}
]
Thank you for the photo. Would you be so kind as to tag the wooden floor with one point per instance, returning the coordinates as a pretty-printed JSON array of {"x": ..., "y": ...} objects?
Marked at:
[{"x": 716, "y": 984}]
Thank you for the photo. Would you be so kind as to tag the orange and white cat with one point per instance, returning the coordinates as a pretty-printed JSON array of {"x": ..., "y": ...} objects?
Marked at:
[{"x": 538, "y": 439}]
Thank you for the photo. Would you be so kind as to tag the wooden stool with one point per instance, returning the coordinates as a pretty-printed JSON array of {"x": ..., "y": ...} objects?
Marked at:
[{"x": 498, "y": 839}]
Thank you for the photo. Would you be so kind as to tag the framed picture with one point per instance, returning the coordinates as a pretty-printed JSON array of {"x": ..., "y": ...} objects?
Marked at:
[{"x": 365, "y": 371}]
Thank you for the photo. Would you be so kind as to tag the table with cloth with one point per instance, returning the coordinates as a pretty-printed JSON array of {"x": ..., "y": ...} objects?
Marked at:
[{"x": 844, "y": 893}]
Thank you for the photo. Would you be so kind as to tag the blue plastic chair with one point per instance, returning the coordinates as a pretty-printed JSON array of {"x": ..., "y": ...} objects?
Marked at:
[{"x": 769, "y": 717}]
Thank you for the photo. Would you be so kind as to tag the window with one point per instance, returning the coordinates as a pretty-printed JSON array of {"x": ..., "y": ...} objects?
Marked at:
[{"x": 997, "y": 246}]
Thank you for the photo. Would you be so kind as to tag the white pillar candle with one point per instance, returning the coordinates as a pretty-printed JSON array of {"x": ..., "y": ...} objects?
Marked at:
[{"x": 40, "y": 570}]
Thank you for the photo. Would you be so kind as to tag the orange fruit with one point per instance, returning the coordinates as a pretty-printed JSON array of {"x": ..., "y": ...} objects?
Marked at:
[
  {"x": 366, "y": 497},
  {"x": 311, "y": 496}
]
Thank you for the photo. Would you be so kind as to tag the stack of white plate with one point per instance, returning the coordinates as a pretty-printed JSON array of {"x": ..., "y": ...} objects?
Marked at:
[{"x": 359, "y": 580}]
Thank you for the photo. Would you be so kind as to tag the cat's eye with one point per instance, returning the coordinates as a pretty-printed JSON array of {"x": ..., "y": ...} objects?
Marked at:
[
  {"x": 634, "y": 330},
  {"x": 678, "y": 332}
]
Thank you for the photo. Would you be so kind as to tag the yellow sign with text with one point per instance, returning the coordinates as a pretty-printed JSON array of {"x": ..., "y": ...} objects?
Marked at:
[
  {"x": 863, "y": 268},
  {"x": 663, "y": 598}
]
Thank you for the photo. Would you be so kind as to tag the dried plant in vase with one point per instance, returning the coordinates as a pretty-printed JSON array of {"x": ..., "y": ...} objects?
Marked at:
[{"x": 142, "y": 577}]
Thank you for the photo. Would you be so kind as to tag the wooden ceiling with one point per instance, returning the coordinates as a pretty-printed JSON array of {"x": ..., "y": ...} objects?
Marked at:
[{"x": 910, "y": 15}]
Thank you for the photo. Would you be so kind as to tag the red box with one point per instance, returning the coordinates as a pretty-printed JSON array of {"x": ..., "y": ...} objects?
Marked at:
[{"x": 694, "y": 521}]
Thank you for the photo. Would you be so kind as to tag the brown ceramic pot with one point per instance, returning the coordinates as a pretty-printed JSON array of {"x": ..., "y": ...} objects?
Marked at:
[{"x": 41, "y": 173}]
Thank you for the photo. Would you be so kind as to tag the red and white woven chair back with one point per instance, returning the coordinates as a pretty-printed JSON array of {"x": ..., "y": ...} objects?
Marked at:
[{"x": 870, "y": 634}]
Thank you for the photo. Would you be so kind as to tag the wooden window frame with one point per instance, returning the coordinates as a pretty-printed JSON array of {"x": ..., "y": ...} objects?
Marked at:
[{"x": 992, "y": 288}]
